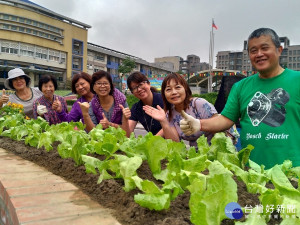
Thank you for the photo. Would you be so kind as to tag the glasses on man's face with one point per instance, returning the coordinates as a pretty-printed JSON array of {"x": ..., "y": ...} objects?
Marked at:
[
  {"x": 140, "y": 85},
  {"x": 104, "y": 84}
]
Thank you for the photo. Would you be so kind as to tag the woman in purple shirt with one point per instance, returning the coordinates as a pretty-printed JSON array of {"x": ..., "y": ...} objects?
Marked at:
[{"x": 80, "y": 86}]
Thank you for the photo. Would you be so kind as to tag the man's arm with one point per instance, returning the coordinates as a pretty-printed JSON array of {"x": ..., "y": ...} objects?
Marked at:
[{"x": 216, "y": 124}]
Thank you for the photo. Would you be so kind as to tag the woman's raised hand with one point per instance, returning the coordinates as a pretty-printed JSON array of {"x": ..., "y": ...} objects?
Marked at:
[
  {"x": 126, "y": 112},
  {"x": 84, "y": 107},
  {"x": 104, "y": 122},
  {"x": 56, "y": 105},
  {"x": 157, "y": 114},
  {"x": 4, "y": 97}
]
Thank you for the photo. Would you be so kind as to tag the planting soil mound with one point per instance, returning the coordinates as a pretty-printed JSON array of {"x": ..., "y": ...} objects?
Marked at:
[{"x": 110, "y": 193}]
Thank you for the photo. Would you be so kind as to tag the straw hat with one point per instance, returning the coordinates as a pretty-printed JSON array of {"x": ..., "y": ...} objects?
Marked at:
[{"x": 17, "y": 72}]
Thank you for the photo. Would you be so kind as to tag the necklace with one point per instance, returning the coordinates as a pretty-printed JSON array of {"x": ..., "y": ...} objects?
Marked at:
[{"x": 147, "y": 123}]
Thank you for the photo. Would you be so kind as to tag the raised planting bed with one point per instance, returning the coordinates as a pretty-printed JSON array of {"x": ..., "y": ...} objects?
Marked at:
[{"x": 150, "y": 180}]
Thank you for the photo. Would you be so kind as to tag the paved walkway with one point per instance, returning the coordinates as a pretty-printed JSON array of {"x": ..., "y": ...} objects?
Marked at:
[{"x": 31, "y": 195}]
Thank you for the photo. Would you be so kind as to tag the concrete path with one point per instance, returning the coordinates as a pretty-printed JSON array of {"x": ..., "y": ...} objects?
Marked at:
[{"x": 31, "y": 195}]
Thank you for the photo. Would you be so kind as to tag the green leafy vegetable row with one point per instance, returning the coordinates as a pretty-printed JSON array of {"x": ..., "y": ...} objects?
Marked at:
[{"x": 184, "y": 169}]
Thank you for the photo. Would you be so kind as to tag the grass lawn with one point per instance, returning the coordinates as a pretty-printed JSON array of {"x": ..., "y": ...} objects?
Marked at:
[{"x": 62, "y": 92}]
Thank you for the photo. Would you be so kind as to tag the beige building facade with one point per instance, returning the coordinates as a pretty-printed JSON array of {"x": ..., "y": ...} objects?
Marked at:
[{"x": 40, "y": 42}]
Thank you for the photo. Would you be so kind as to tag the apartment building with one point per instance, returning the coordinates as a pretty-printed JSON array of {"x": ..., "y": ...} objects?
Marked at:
[
  {"x": 169, "y": 60},
  {"x": 239, "y": 60},
  {"x": 40, "y": 41},
  {"x": 102, "y": 58}
]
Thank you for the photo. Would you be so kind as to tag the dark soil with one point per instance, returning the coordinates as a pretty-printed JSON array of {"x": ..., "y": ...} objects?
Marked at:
[{"x": 110, "y": 193}]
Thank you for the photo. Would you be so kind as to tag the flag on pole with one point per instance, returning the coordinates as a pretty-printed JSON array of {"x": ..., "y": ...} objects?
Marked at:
[{"x": 214, "y": 25}]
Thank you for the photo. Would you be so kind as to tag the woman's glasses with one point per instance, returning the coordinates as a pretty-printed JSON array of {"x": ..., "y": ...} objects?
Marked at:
[
  {"x": 140, "y": 85},
  {"x": 104, "y": 84}
]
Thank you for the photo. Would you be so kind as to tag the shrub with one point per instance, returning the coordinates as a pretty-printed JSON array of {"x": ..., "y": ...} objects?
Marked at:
[{"x": 210, "y": 97}]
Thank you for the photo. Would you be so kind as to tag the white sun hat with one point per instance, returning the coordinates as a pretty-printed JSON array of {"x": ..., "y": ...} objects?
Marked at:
[{"x": 17, "y": 72}]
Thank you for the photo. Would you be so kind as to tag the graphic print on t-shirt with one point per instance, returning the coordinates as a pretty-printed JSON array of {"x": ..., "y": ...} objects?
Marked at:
[{"x": 268, "y": 108}]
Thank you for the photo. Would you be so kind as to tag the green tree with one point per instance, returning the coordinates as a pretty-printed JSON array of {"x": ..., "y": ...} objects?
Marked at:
[{"x": 126, "y": 67}]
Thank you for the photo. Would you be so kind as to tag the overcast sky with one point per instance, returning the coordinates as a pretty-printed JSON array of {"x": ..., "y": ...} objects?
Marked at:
[{"x": 157, "y": 28}]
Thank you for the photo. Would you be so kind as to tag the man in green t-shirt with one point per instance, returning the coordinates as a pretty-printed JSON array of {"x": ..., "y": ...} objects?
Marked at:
[{"x": 267, "y": 105}]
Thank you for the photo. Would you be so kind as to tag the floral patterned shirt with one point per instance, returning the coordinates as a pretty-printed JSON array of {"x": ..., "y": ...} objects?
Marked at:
[{"x": 198, "y": 108}]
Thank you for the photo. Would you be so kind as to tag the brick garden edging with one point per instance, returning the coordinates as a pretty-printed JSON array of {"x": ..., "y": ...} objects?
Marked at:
[{"x": 31, "y": 195}]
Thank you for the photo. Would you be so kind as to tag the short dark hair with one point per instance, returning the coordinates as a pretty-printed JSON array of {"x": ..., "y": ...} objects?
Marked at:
[
  {"x": 97, "y": 76},
  {"x": 180, "y": 80},
  {"x": 77, "y": 76},
  {"x": 45, "y": 79},
  {"x": 265, "y": 32},
  {"x": 27, "y": 80},
  {"x": 138, "y": 77}
]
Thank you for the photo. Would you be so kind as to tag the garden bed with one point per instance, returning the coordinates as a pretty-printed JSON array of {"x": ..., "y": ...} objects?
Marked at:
[{"x": 110, "y": 193}]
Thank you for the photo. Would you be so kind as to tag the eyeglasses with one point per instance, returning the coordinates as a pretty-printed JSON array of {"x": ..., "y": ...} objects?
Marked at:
[
  {"x": 102, "y": 84},
  {"x": 19, "y": 78},
  {"x": 140, "y": 85}
]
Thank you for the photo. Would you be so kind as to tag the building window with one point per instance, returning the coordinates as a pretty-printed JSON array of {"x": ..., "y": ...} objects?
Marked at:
[
  {"x": 6, "y": 17},
  {"x": 63, "y": 58},
  {"x": 21, "y": 19},
  {"x": 27, "y": 50},
  {"x": 41, "y": 53},
  {"x": 77, "y": 63},
  {"x": 77, "y": 47},
  {"x": 100, "y": 57},
  {"x": 13, "y": 18},
  {"x": 13, "y": 27},
  {"x": 21, "y": 29},
  {"x": 5, "y": 26},
  {"x": 54, "y": 56}
]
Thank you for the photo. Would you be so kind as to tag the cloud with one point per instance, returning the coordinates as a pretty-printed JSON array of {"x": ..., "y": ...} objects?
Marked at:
[{"x": 157, "y": 28}]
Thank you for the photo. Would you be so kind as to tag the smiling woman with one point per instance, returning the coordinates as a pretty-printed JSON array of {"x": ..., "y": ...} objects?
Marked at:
[
  {"x": 141, "y": 89},
  {"x": 80, "y": 86},
  {"x": 178, "y": 102},
  {"x": 46, "y": 105},
  {"x": 106, "y": 105},
  {"x": 19, "y": 82}
]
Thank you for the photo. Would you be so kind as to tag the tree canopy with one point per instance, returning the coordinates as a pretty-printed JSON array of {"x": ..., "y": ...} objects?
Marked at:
[{"x": 127, "y": 66}]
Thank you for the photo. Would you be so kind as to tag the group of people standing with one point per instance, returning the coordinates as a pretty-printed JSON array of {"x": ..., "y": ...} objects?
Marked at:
[
  {"x": 100, "y": 103},
  {"x": 267, "y": 104}
]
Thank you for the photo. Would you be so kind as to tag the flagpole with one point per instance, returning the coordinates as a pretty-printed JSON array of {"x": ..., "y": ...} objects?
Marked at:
[
  {"x": 211, "y": 61},
  {"x": 212, "y": 53},
  {"x": 208, "y": 78}
]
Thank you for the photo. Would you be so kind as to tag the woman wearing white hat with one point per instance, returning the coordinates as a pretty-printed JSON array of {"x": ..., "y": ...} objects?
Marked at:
[{"x": 19, "y": 82}]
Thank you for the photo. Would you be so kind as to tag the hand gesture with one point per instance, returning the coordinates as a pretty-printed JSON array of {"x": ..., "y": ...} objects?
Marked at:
[
  {"x": 189, "y": 125},
  {"x": 126, "y": 112},
  {"x": 56, "y": 105},
  {"x": 4, "y": 97},
  {"x": 84, "y": 107},
  {"x": 157, "y": 114},
  {"x": 41, "y": 110},
  {"x": 104, "y": 122}
]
